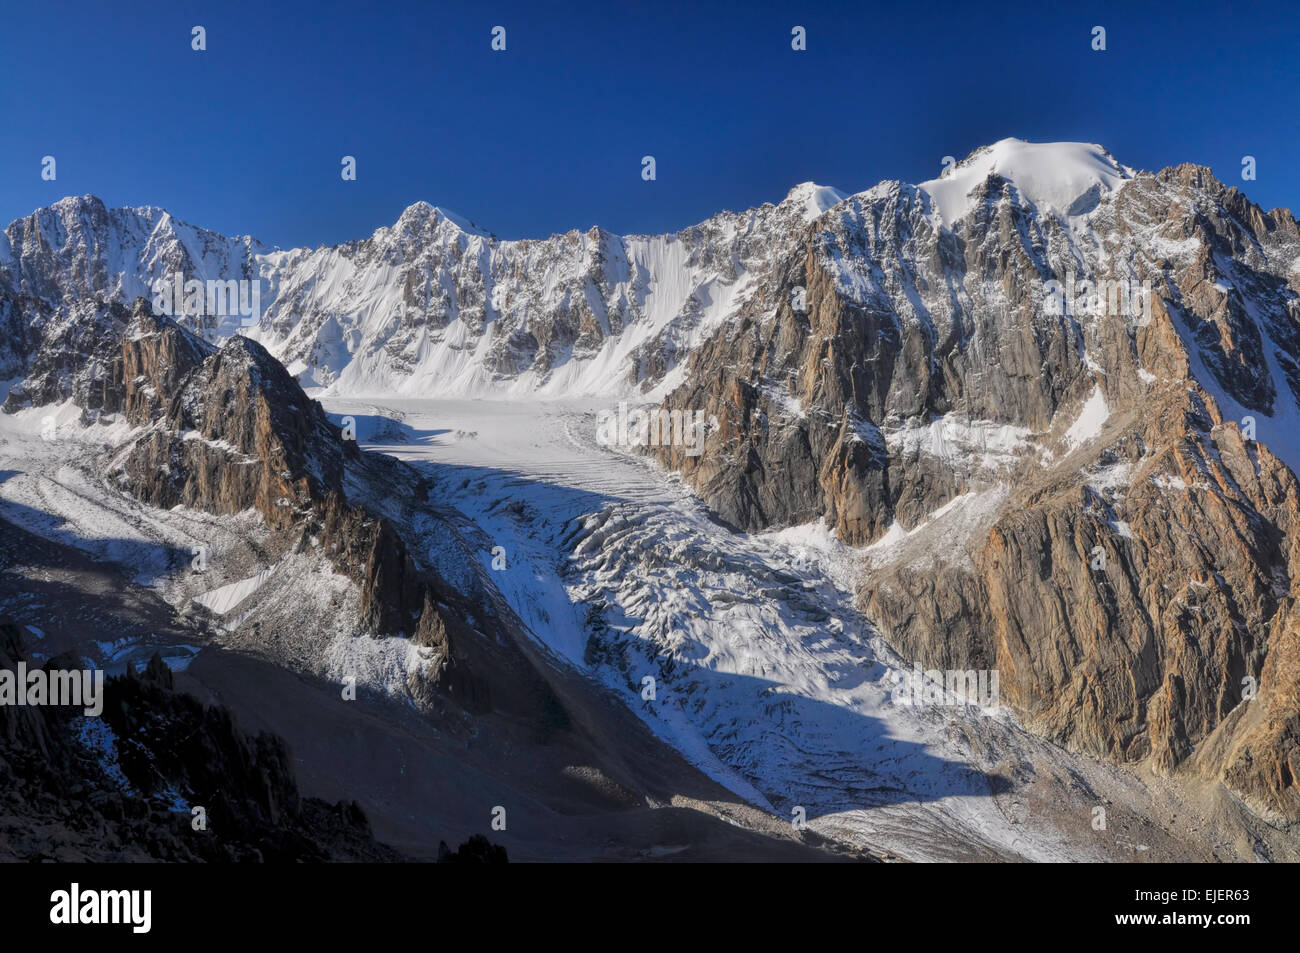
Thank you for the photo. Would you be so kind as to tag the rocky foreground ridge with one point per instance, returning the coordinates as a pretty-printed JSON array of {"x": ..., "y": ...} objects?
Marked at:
[{"x": 78, "y": 789}]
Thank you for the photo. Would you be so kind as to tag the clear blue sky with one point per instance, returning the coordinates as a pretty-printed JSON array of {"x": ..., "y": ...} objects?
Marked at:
[{"x": 247, "y": 137}]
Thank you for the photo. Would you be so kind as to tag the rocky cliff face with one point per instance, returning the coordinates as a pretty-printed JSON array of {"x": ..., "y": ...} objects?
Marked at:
[
  {"x": 1255, "y": 749},
  {"x": 235, "y": 432},
  {"x": 1099, "y": 504},
  {"x": 226, "y": 430},
  {"x": 63, "y": 353}
]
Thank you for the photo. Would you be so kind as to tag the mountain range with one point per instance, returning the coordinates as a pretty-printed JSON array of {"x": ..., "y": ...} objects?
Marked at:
[{"x": 921, "y": 453}]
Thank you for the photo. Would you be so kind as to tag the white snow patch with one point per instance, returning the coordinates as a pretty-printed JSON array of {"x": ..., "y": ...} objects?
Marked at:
[
  {"x": 226, "y": 598},
  {"x": 941, "y": 535},
  {"x": 1116, "y": 476},
  {"x": 956, "y": 439},
  {"x": 387, "y": 664},
  {"x": 790, "y": 404},
  {"x": 1090, "y": 421}
]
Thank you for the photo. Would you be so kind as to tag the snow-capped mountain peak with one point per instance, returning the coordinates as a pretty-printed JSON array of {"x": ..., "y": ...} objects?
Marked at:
[
  {"x": 1067, "y": 178},
  {"x": 421, "y": 215},
  {"x": 814, "y": 199}
]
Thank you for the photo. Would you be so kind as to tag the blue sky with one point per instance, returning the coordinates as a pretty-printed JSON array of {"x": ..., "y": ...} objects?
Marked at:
[{"x": 247, "y": 137}]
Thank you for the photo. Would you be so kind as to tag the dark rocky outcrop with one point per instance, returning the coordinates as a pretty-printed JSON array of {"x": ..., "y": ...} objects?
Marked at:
[
  {"x": 477, "y": 850},
  {"x": 237, "y": 433},
  {"x": 74, "y": 788}
]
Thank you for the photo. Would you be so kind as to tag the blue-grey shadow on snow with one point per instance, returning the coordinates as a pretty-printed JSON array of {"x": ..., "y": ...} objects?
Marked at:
[
  {"x": 144, "y": 561},
  {"x": 793, "y": 749},
  {"x": 382, "y": 431}
]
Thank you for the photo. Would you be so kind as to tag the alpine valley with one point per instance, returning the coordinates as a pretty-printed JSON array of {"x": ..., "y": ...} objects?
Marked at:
[{"x": 366, "y": 580}]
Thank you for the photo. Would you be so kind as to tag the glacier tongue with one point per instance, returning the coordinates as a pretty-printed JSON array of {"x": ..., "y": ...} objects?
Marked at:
[{"x": 766, "y": 676}]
